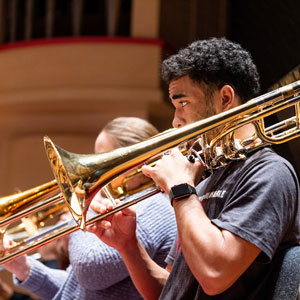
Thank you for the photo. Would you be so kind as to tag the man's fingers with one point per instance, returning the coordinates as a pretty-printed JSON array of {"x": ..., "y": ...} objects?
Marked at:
[{"x": 147, "y": 170}]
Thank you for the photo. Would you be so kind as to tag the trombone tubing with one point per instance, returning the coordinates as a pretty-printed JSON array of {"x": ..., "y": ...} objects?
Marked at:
[
  {"x": 16, "y": 206},
  {"x": 59, "y": 231},
  {"x": 31, "y": 209}
]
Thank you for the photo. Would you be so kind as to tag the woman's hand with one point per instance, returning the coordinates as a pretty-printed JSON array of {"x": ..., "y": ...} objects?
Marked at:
[
  {"x": 19, "y": 266},
  {"x": 117, "y": 229}
]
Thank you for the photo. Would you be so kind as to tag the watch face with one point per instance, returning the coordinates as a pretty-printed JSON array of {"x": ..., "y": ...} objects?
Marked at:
[{"x": 182, "y": 190}]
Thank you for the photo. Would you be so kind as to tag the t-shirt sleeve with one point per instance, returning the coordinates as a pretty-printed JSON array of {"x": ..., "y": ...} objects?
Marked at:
[
  {"x": 172, "y": 254},
  {"x": 262, "y": 205}
]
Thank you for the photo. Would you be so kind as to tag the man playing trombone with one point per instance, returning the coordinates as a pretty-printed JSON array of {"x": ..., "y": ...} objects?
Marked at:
[{"x": 233, "y": 226}]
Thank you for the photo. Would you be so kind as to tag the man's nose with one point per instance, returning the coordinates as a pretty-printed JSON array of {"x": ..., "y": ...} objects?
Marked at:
[{"x": 177, "y": 122}]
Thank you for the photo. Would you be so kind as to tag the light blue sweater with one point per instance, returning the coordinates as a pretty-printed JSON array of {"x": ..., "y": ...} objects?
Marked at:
[{"x": 96, "y": 270}]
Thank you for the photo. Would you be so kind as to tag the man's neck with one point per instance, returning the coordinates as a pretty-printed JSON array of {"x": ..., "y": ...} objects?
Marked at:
[{"x": 245, "y": 132}]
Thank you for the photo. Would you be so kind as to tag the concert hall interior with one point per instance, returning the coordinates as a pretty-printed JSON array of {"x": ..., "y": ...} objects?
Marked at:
[{"x": 70, "y": 66}]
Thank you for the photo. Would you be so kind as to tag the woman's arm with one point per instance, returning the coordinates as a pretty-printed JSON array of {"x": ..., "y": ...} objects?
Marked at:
[
  {"x": 119, "y": 231},
  {"x": 40, "y": 279}
]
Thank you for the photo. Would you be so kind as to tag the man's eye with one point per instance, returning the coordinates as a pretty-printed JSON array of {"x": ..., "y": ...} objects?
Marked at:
[{"x": 183, "y": 103}]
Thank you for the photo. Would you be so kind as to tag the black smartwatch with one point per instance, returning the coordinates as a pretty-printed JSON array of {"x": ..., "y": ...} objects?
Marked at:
[{"x": 181, "y": 191}]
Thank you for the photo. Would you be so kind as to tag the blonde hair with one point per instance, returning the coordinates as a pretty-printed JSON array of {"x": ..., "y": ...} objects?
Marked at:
[{"x": 127, "y": 131}]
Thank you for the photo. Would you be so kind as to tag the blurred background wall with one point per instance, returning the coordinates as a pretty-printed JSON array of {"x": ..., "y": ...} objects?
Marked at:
[{"x": 67, "y": 67}]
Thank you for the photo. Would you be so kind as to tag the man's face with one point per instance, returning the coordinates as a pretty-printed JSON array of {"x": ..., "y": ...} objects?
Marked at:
[{"x": 190, "y": 102}]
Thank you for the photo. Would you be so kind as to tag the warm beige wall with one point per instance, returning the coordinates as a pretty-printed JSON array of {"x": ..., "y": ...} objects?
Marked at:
[
  {"x": 69, "y": 91},
  {"x": 80, "y": 65}
]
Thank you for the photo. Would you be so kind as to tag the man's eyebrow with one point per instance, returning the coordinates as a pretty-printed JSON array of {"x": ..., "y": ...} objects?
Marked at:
[{"x": 178, "y": 96}]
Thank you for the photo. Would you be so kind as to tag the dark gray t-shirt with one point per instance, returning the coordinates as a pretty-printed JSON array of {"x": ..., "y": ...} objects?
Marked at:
[{"x": 258, "y": 200}]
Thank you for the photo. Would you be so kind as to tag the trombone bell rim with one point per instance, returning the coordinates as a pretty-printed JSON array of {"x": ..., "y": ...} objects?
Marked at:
[{"x": 63, "y": 180}]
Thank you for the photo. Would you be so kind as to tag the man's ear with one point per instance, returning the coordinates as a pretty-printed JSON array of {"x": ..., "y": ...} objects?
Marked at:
[{"x": 227, "y": 97}]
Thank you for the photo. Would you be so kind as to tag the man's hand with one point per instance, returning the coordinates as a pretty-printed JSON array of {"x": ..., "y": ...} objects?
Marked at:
[
  {"x": 117, "y": 229},
  {"x": 173, "y": 169}
]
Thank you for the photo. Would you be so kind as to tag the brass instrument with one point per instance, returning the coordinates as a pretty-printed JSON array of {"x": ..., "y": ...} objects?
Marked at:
[
  {"x": 19, "y": 205},
  {"x": 31, "y": 227},
  {"x": 117, "y": 173}
]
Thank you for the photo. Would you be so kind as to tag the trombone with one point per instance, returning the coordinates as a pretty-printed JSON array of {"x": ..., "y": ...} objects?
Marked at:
[
  {"x": 19, "y": 205},
  {"x": 118, "y": 174}
]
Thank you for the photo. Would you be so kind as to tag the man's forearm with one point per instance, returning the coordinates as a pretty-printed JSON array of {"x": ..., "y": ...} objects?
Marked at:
[
  {"x": 148, "y": 277},
  {"x": 222, "y": 256}
]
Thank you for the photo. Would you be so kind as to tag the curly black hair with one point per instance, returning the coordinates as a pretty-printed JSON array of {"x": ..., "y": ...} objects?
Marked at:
[{"x": 215, "y": 62}]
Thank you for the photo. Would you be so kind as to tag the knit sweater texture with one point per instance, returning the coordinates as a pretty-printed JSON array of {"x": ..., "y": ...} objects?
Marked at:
[{"x": 96, "y": 271}]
